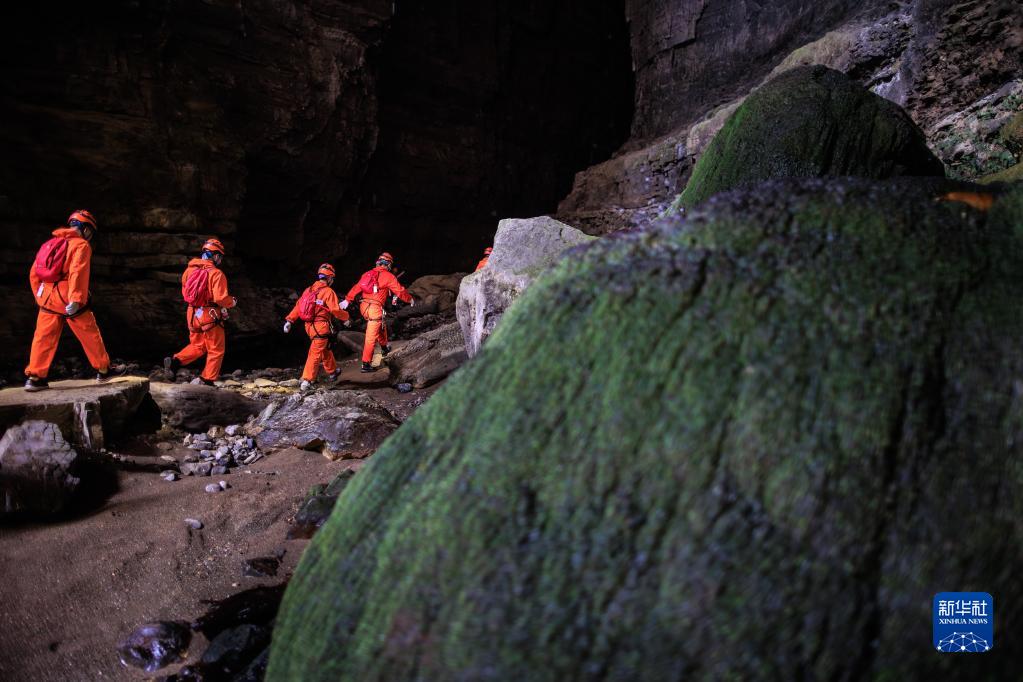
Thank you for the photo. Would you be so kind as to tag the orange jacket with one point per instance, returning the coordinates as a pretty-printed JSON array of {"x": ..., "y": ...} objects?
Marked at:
[
  {"x": 328, "y": 307},
  {"x": 387, "y": 285},
  {"x": 74, "y": 285},
  {"x": 219, "y": 298},
  {"x": 482, "y": 264}
]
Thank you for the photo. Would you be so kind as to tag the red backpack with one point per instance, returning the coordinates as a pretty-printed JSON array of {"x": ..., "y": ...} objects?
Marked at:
[
  {"x": 368, "y": 281},
  {"x": 50, "y": 260},
  {"x": 307, "y": 305},
  {"x": 196, "y": 291}
]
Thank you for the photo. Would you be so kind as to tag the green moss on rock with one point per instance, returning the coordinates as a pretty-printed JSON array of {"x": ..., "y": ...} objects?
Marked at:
[
  {"x": 750, "y": 445},
  {"x": 810, "y": 122},
  {"x": 1011, "y": 174}
]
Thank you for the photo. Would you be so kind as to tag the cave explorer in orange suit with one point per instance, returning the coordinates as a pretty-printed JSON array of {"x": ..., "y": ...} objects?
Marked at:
[
  {"x": 486, "y": 256},
  {"x": 318, "y": 308},
  {"x": 204, "y": 288},
  {"x": 60, "y": 283},
  {"x": 375, "y": 286}
]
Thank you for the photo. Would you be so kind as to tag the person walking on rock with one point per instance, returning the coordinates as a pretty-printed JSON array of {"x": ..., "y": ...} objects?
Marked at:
[
  {"x": 486, "y": 256},
  {"x": 204, "y": 288},
  {"x": 375, "y": 286},
  {"x": 60, "y": 283},
  {"x": 318, "y": 307}
]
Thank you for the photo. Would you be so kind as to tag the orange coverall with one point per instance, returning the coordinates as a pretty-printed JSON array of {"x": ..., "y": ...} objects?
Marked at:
[
  {"x": 205, "y": 324},
  {"x": 52, "y": 297},
  {"x": 482, "y": 264},
  {"x": 372, "y": 308},
  {"x": 319, "y": 330}
]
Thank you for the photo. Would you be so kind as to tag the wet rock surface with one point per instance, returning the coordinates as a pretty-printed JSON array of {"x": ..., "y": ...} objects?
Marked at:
[
  {"x": 36, "y": 466},
  {"x": 523, "y": 249},
  {"x": 155, "y": 645},
  {"x": 335, "y": 423},
  {"x": 819, "y": 346}
]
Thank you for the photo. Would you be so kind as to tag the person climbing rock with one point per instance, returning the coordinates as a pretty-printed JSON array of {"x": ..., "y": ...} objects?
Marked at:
[
  {"x": 60, "y": 283},
  {"x": 375, "y": 286},
  {"x": 486, "y": 256},
  {"x": 318, "y": 307},
  {"x": 204, "y": 288}
]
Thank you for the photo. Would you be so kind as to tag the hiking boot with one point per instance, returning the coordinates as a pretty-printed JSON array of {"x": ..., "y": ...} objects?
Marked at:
[
  {"x": 366, "y": 367},
  {"x": 171, "y": 365},
  {"x": 199, "y": 381},
  {"x": 335, "y": 375},
  {"x": 384, "y": 350},
  {"x": 305, "y": 385},
  {"x": 112, "y": 371},
  {"x": 36, "y": 384}
]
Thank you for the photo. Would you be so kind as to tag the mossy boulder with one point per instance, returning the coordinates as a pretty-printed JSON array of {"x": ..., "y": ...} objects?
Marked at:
[
  {"x": 750, "y": 445},
  {"x": 810, "y": 122}
]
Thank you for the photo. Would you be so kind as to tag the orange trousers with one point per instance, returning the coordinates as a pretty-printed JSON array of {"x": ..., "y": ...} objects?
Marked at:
[
  {"x": 376, "y": 330},
  {"x": 47, "y": 335},
  {"x": 212, "y": 343},
  {"x": 319, "y": 353}
]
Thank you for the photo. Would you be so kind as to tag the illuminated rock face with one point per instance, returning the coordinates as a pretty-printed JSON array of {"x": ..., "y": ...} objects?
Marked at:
[{"x": 748, "y": 445}]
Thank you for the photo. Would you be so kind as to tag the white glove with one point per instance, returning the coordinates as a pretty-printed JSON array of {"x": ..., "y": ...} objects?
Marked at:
[
  {"x": 412, "y": 303},
  {"x": 394, "y": 300},
  {"x": 348, "y": 323},
  {"x": 234, "y": 301},
  {"x": 224, "y": 314},
  {"x": 73, "y": 307},
  {"x": 287, "y": 326},
  {"x": 344, "y": 304}
]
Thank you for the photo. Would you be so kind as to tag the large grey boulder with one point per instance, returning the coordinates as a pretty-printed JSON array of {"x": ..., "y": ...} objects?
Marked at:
[
  {"x": 88, "y": 414},
  {"x": 523, "y": 248},
  {"x": 197, "y": 408},
  {"x": 35, "y": 469},
  {"x": 338, "y": 424},
  {"x": 428, "y": 358}
]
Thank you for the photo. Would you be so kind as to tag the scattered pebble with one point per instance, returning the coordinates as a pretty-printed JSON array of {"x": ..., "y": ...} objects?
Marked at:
[
  {"x": 224, "y": 485},
  {"x": 167, "y": 458},
  {"x": 165, "y": 445},
  {"x": 233, "y": 429},
  {"x": 169, "y": 476},
  {"x": 404, "y": 388},
  {"x": 213, "y": 488},
  {"x": 194, "y": 524},
  {"x": 155, "y": 645}
]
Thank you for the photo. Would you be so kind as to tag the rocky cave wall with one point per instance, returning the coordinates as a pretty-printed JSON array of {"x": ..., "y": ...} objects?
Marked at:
[
  {"x": 296, "y": 132},
  {"x": 695, "y": 60}
]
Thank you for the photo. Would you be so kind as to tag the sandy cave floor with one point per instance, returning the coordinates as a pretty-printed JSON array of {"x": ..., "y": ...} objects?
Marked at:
[{"x": 72, "y": 589}]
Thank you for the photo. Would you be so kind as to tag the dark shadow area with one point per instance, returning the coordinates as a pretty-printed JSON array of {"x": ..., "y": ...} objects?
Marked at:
[{"x": 486, "y": 111}]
